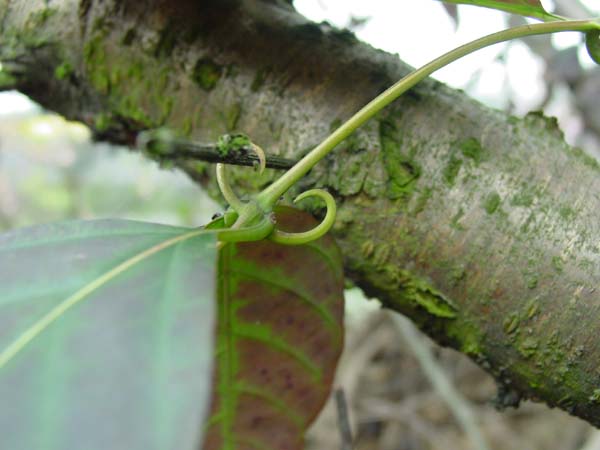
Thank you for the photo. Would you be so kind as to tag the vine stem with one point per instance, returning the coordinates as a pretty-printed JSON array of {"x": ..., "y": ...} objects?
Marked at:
[
  {"x": 272, "y": 193},
  {"x": 228, "y": 194}
]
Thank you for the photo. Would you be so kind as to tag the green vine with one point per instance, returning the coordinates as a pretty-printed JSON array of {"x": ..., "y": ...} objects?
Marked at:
[{"x": 253, "y": 219}]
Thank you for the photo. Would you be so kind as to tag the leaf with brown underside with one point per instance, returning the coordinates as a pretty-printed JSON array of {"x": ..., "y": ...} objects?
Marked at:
[
  {"x": 280, "y": 334},
  {"x": 529, "y": 8}
]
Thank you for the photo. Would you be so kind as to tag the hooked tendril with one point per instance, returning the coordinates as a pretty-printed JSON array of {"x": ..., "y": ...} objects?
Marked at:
[
  {"x": 228, "y": 194},
  {"x": 284, "y": 237},
  {"x": 262, "y": 159},
  {"x": 258, "y": 209}
]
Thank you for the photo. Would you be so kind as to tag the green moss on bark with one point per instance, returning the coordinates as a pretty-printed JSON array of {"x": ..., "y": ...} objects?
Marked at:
[
  {"x": 7, "y": 80},
  {"x": 259, "y": 79},
  {"x": 167, "y": 41},
  {"x": 96, "y": 64},
  {"x": 402, "y": 170},
  {"x": 523, "y": 198},
  {"x": 452, "y": 169},
  {"x": 135, "y": 84},
  {"x": 206, "y": 74},
  {"x": 472, "y": 149},
  {"x": 422, "y": 200},
  {"x": 492, "y": 202},
  {"x": 63, "y": 71}
]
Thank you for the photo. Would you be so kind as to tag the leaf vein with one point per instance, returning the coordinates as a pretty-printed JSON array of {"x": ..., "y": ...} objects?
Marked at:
[
  {"x": 265, "y": 335},
  {"x": 271, "y": 399},
  {"x": 321, "y": 310}
]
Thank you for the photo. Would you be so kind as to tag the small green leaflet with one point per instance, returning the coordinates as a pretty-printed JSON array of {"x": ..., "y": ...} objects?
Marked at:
[
  {"x": 106, "y": 335},
  {"x": 592, "y": 43},
  {"x": 529, "y": 8},
  {"x": 280, "y": 334}
]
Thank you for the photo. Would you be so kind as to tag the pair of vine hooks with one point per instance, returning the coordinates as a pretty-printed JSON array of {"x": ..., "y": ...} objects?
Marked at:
[{"x": 254, "y": 220}]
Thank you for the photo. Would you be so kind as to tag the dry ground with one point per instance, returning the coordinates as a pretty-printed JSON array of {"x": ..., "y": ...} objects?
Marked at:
[{"x": 393, "y": 406}]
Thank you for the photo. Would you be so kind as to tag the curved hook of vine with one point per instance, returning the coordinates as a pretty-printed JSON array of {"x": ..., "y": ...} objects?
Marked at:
[
  {"x": 262, "y": 159},
  {"x": 283, "y": 237},
  {"x": 255, "y": 232},
  {"x": 228, "y": 193}
]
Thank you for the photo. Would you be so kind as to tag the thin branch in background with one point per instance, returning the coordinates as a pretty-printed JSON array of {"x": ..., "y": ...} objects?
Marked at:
[
  {"x": 343, "y": 420},
  {"x": 457, "y": 404},
  {"x": 179, "y": 149},
  {"x": 165, "y": 148}
]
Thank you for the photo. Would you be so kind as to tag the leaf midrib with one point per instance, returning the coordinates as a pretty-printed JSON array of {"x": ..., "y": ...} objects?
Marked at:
[{"x": 44, "y": 322}]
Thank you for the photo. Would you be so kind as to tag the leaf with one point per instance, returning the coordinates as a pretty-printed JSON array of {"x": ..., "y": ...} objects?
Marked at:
[
  {"x": 592, "y": 44},
  {"x": 530, "y": 8},
  {"x": 105, "y": 336},
  {"x": 452, "y": 11},
  {"x": 280, "y": 334}
]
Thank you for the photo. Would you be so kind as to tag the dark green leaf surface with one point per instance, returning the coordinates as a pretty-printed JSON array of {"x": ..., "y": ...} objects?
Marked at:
[
  {"x": 592, "y": 42},
  {"x": 106, "y": 335},
  {"x": 280, "y": 334},
  {"x": 530, "y": 8}
]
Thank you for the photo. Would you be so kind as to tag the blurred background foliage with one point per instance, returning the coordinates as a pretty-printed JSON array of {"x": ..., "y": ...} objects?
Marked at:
[{"x": 50, "y": 170}]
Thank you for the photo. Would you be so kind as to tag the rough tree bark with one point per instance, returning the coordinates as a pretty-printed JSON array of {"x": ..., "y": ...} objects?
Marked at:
[{"x": 481, "y": 227}]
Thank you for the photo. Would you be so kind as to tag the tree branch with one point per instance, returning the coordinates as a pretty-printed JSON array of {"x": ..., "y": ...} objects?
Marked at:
[
  {"x": 481, "y": 227},
  {"x": 172, "y": 150}
]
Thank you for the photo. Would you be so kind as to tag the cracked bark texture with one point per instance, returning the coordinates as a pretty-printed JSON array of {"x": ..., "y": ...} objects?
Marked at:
[{"x": 481, "y": 227}]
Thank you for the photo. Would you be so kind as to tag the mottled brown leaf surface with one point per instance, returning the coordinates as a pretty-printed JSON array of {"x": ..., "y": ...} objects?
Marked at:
[{"x": 280, "y": 335}]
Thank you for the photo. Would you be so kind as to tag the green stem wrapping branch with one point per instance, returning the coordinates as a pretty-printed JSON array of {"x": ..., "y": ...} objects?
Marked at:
[
  {"x": 270, "y": 195},
  {"x": 250, "y": 213}
]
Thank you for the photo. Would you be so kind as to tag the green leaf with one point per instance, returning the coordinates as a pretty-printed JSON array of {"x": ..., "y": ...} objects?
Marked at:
[
  {"x": 106, "y": 332},
  {"x": 280, "y": 333},
  {"x": 530, "y": 8},
  {"x": 592, "y": 43}
]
